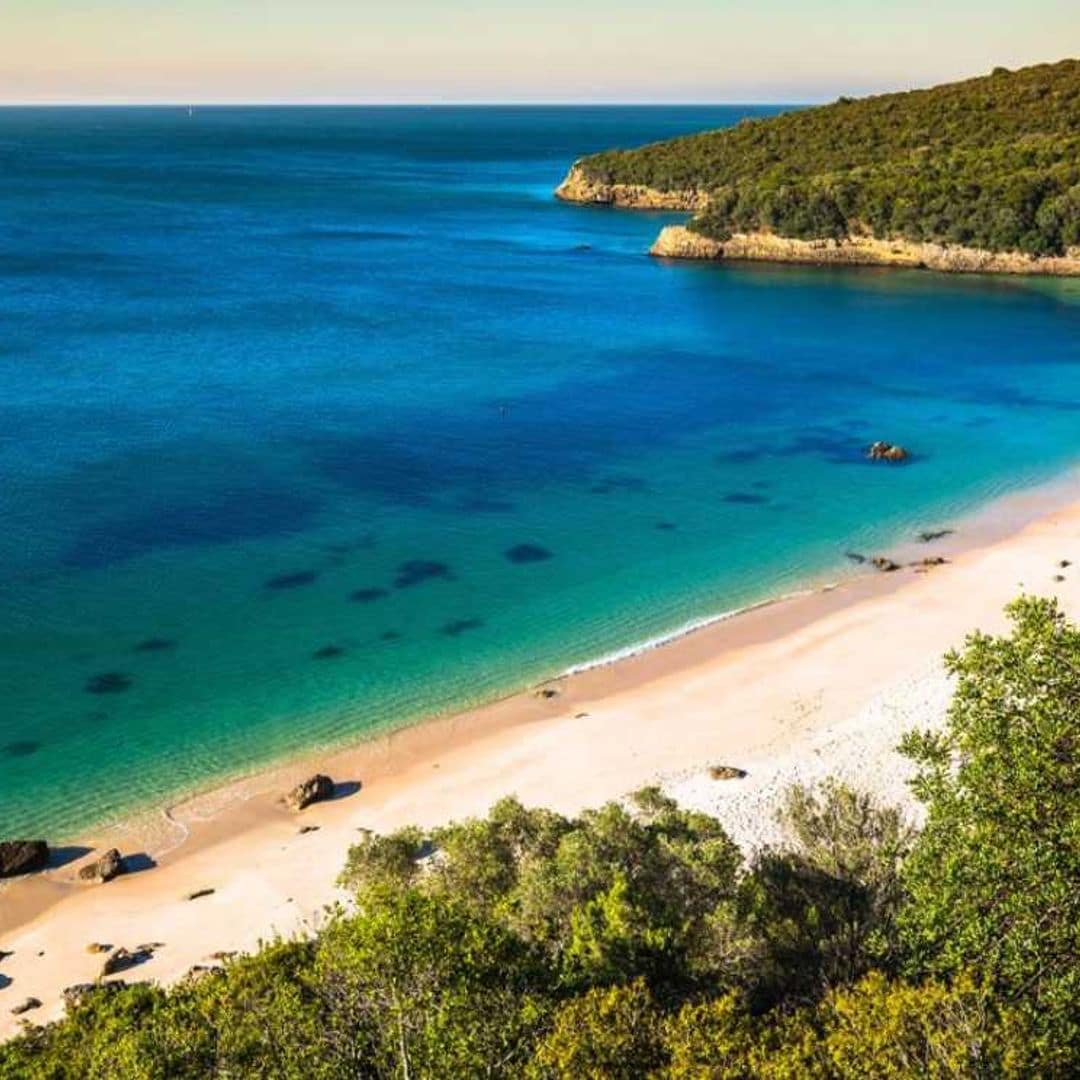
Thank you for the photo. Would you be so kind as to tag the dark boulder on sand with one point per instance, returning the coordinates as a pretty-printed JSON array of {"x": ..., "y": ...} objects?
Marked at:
[
  {"x": 886, "y": 566},
  {"x": 883, "y": 451},
  {"x": 22, "y": 857},
  {"x": 26, "y": 1006},
  {"x": 315, "y": 789},
  {"x": 123, "y": 959},
  {"x": 726, "y": 772},
  {"x": 103, "y": 869}
]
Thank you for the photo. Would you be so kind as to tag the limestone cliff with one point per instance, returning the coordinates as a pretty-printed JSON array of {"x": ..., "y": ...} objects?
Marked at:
[
  {"x": 578, "y": 187},
  {"x": 679, "y": 242}
]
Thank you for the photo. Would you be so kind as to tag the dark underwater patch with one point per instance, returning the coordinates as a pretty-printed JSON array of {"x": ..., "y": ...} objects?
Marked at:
[
  {"x": 241, "y": 515},
  {"x": 457, "y": 627},
  {"x": 328, "y": 652},
  {"x": 527, "y": 553},
  {"x": 737, "y": 457},
  {"x": 367, "y": 596},
  {"x": 390, "y": 635},
  {"x": 21, "y": 748},
  {"x": 417, "y": 571},
  {"x": 108, "y": 682},
  {"x": 291, "y": 581},
  {"x": 155, "y": 644},
  {"x": 666, "y": 526},
  {"x": 744, "y": 498},
  {"x": 615, "y": 484},
  {"x": 482, "y": 504}
]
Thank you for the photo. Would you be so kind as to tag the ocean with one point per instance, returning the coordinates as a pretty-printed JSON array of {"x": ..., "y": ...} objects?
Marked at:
[{"x": 316, "y": 421}]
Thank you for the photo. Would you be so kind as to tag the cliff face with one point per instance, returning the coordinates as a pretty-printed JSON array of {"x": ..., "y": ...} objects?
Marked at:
[
  {"x": 580, "y": 188},
  {"x": 679, "y": 242}
]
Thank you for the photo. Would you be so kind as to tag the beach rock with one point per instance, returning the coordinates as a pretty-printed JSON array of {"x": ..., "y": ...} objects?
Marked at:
[
  {"x": 22, "y": 857},
  {"x": 886, "y": 566},
  {"x": 883, "y": 451},
  {"x": 198, "y": 894},
  {"x": 199, "y": 971},
  {"x": 931, "y": 535},
  {"x": 315, "y": 789},
  {"x": 123, "y": 959},
  {"x": 547, "y": 692},
  {"x": 726, "y": 772},
  {"x": 98, "y": 947},
  {"x": 931, "y": 560},
  {"x": 26, "y": 1006},
  {"x": 103, "y": 869},
  {"x": 75, "y": 995}
]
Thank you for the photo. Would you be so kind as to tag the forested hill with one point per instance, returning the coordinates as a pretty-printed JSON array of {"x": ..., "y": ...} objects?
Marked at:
[{"x": 991, "y": 162}]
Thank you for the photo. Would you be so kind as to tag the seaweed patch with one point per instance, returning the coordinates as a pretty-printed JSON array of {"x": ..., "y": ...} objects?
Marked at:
[
  {"x": 416, "y": 571},
  {"x": 527, "y": 553},
  {"x": 108, "y": 682}
]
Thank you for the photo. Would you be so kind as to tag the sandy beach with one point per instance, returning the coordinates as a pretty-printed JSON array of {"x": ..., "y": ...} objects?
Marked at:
[{"x": 817, "y": 685}]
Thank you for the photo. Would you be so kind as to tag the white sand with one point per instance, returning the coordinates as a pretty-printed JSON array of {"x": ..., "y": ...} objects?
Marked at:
[
  {"x": 859, "y": 750},
  {"x": 816, "y": 686}
]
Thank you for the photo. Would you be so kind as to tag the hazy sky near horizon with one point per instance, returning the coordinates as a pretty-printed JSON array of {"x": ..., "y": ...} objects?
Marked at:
[{"x": 484, "y": 50}]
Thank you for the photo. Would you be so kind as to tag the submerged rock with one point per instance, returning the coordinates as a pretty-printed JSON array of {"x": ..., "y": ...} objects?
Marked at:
[
  {"x": 883, "y": 451},
  {"x": 103, "y": 869},
  {"x": 22, "y": 857},
  {"x": 317, "y": 788}
]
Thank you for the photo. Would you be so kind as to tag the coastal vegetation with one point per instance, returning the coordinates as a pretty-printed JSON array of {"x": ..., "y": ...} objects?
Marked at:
[
  {"x": 635, "y": 940},
  {"x": 991, "y": 163}
]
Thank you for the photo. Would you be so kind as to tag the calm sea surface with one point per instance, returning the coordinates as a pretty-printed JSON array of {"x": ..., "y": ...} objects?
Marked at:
[{"x": 319, "y": 420}]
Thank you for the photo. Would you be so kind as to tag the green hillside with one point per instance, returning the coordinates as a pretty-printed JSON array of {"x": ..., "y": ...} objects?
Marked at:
[{"x": 991, "y": 162}]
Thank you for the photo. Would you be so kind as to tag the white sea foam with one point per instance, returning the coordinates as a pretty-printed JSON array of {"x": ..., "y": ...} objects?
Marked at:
[{"x": 684, "y": 630}]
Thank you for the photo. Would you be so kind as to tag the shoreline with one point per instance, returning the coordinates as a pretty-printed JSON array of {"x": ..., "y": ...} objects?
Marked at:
[
  {"x": 606, "y": 731},
  {"x": 680, "y": 242}
]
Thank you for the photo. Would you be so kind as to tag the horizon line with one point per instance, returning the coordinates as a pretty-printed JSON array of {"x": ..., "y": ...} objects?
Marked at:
[{"x": 340, "y": 103}]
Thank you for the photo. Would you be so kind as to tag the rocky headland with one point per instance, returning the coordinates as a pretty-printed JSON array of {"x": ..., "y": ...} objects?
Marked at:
[{"x": 680, "y": 242}]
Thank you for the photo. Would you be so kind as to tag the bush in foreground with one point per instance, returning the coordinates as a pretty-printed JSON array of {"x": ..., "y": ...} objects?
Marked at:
[{"x": 634, "y": 941}]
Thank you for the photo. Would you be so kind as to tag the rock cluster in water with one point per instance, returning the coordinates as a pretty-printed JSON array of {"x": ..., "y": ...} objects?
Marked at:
[{"x": 883, "y": 451}]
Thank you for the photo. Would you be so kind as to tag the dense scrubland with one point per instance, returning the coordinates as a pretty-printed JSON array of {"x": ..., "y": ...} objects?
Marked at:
[
  {"x": 636, "y": 941},
  {"x": 990, "y": 163}
]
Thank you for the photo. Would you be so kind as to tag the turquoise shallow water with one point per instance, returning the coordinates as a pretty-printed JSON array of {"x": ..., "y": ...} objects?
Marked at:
[{"x": 314, "y": 421}]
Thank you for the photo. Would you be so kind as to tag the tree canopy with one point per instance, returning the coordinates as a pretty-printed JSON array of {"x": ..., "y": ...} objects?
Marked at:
[{"x": 991, "y": 162}]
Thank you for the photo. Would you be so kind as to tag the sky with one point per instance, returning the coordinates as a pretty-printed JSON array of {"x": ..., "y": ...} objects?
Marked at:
[{"x": 390, "y": 51}]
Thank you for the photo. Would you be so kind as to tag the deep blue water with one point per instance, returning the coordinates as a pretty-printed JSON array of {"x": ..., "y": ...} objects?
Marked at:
[{"x": 318, "y": 420}]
